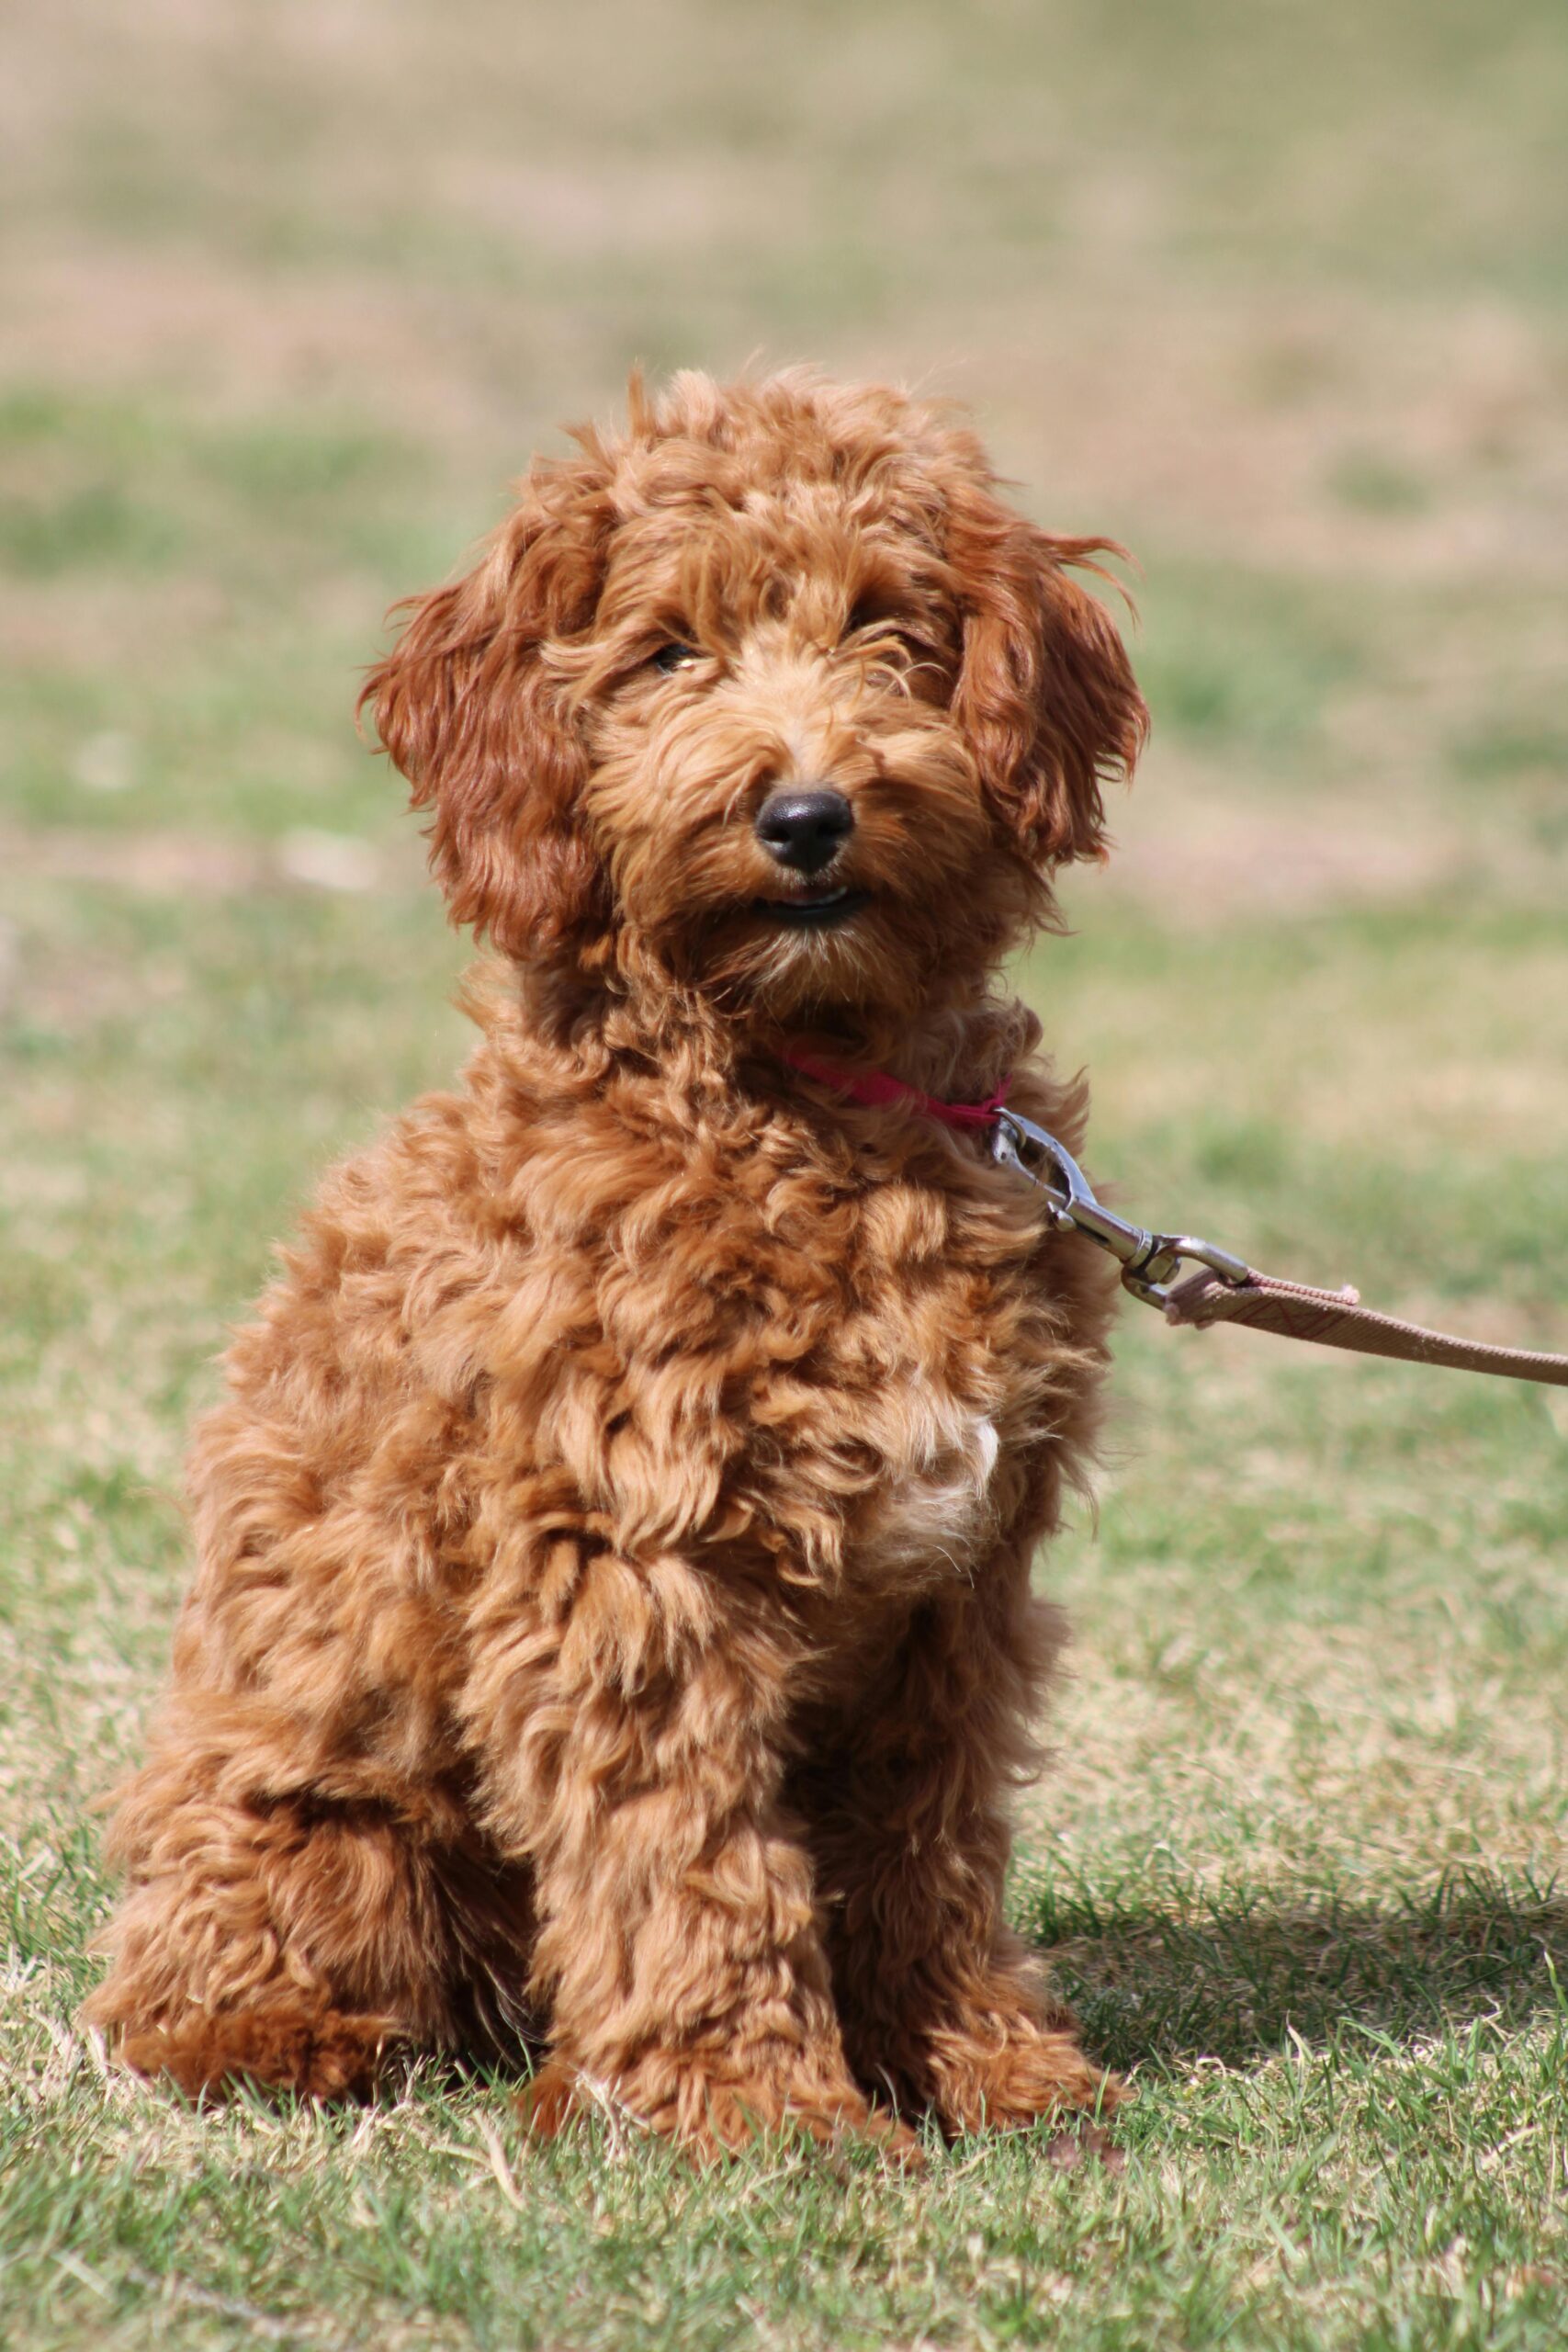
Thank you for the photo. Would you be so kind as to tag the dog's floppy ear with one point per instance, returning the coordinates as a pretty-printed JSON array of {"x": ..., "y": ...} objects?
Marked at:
[
  {"x": 469, "y": 711},
  {"x": 1045, "y": 692}
]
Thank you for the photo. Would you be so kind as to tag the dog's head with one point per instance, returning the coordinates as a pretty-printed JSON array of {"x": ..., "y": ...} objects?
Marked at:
[{"x": 770, "y": 697}]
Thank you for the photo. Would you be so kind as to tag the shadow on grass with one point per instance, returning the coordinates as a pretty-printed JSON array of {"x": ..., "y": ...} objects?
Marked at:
[{"x": 1234, "y": 1976}]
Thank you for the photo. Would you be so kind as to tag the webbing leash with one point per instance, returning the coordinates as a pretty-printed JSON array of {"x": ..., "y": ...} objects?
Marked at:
[{"x": 1224, "y": 1288}]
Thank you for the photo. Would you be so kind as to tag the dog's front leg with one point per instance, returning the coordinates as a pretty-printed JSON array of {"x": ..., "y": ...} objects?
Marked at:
[
  {"x": 938, "y": 1999},
  {"x": 634, "y": 1754}
]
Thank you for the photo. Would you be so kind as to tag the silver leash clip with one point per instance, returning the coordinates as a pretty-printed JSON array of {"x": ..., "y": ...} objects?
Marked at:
[{"x": 1148, "y": 1260}]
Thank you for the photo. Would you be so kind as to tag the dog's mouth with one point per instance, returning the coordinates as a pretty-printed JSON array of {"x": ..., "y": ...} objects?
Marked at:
[{"x": 823, "y": 911}]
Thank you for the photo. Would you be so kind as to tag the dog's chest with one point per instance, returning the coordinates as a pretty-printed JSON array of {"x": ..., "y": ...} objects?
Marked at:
[
  {"x": 931, "y": 1369},
  {"x": 775, "y": 1359}
]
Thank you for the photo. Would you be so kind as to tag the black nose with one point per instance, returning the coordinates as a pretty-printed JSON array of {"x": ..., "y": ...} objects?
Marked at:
[{"x": 804, "y": 830}]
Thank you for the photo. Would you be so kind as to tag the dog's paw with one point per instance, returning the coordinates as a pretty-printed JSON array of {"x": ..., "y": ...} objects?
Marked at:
[
  {"x": 735, "y": 2116},
  {"x": 709, "y": 2115},
  {"x": 558, "y": 2096},
  {"x": 325, "y": 2054},
  {"x": 1037, "y": 2075}
]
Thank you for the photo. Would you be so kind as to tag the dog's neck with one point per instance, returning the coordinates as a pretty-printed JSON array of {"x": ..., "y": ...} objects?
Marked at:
[{"x": 958, "y": 1047}]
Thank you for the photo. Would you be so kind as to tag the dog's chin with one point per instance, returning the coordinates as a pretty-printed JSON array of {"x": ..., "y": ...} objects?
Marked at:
[{"x": 839, "y": 947}]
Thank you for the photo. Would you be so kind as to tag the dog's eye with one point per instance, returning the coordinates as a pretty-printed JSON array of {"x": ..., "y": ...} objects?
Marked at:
[
  {"x": 673, "y": 656},
  {"x": 872, "y": 617}
]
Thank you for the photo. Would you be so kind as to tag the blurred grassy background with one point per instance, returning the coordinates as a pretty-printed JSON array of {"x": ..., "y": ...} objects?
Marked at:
[{"x": 1278, "y": 295}]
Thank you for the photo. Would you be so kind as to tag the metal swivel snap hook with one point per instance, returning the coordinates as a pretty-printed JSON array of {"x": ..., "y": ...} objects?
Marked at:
[{"x": 1147, "y": 1259}]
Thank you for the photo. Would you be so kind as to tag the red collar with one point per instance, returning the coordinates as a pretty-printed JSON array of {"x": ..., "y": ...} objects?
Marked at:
[{"x": 875, "y": 1090}]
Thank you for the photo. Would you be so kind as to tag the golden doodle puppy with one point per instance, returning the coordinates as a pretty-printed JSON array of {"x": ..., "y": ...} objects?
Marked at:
[{"x": 612, "y": 1633}]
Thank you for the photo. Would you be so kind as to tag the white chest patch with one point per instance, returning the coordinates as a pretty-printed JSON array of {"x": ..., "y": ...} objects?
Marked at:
[{"x": 932, "y": 1510}]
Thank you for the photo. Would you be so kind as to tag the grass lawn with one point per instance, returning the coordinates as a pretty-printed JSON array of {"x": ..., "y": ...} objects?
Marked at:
[{"x": 284, "y": 294}]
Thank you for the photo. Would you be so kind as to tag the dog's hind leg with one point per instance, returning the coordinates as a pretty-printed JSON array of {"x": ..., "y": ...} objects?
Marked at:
[{"x": 294, "y": 1942}]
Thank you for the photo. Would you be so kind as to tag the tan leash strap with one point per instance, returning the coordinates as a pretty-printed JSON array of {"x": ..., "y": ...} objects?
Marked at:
[
  {"x": 1225, "y": 1289},
  {"x": 1337, "y": 1320}
]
